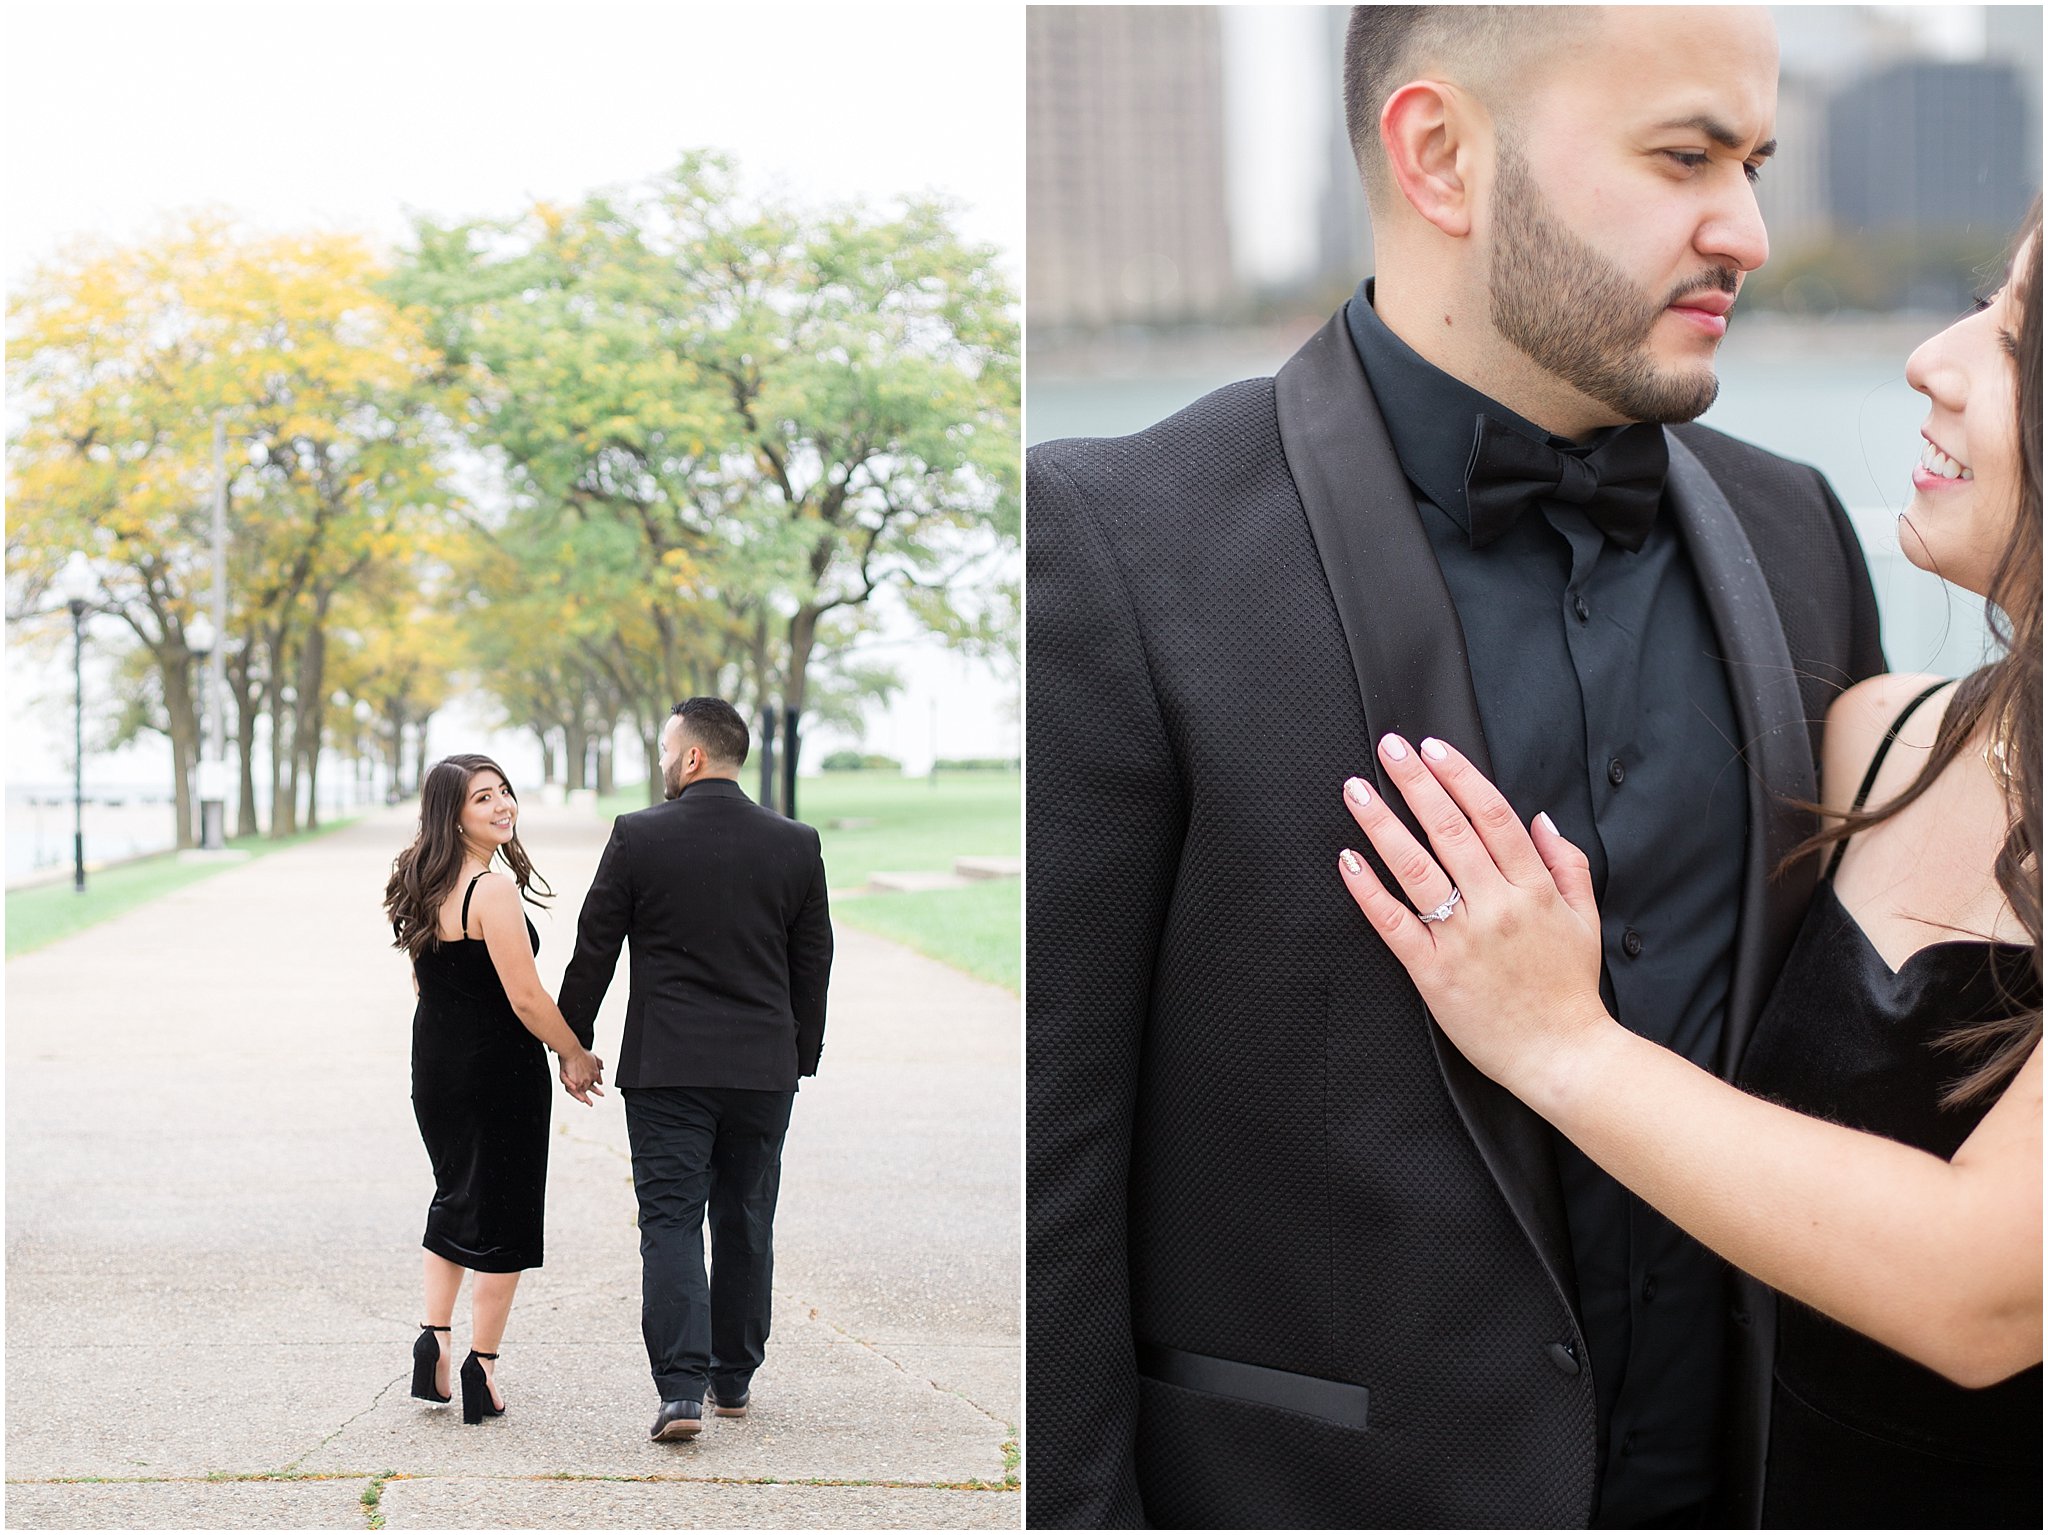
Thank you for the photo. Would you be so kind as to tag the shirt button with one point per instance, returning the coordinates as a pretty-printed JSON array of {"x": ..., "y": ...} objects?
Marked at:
[
  {"x": 1579, "y": 607},
  {"x": 1615, "y": 772},
  {"x": 1562, "y": 1356},
  {"x": 1650, "y": 1287},
  {"x": 1628, "y": 1444},
  {"x": 1631, "y": 943}
]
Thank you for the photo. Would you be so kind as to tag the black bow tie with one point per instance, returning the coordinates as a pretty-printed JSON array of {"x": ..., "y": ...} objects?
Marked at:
[{"x": 1618, "y": 484}]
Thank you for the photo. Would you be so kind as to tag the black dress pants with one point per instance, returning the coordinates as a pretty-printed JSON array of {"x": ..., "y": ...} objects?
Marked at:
[{"x": 693, "y": 1147}]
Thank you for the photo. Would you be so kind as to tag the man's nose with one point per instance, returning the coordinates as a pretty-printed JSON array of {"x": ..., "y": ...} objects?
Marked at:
[{"x": 1734, "y": 233}]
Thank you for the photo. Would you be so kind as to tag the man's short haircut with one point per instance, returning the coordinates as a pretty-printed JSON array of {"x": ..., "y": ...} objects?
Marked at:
[
  {"x": 1481, "y": 47},
  {"x": 717, "y": 727}
]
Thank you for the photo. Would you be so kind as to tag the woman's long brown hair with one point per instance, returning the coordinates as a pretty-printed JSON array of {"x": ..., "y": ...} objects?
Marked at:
[
  {"x": 424, "y": 874},
  {"x": 2002, "y": 698}
]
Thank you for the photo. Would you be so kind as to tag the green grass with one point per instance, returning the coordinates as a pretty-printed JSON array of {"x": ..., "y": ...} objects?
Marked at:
[
  {"x": 975, "y": 929},
  {"x": 916, "y": 825},
  {"x": 42, "y": 914}
]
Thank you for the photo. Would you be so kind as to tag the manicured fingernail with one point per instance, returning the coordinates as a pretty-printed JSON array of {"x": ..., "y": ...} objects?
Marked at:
[
  {"x": 1351, "y": 863},
  {"x": 1357, "y": 791},
  {"x": 1543, "y": 820},
  {"x": 1393, "y": 747},
  {"x": 1434, "y": 749}
]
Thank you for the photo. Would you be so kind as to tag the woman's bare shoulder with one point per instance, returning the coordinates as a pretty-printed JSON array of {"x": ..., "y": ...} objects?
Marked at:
[{"x": 1856, "y": 726}]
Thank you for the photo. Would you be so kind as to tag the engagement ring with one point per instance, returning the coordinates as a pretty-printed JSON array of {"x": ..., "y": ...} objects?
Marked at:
[{"x": 1450, "y": 904}]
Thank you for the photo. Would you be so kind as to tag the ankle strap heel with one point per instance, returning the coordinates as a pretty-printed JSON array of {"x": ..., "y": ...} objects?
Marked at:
[
  {"x": 426, "y": 1356},
  {"x": 476, "y": 1390}
]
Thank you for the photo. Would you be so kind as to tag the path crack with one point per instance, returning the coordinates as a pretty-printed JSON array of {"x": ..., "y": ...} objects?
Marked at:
[
  {"x": 323, "y": 1444},
  {"x": 818, "y": 1315}
]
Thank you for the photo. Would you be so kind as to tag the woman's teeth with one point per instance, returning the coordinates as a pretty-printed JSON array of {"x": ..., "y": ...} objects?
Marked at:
[{"x": 1936, "y": 462}]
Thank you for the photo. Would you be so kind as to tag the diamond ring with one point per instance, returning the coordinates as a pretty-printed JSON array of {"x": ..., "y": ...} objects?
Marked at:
[{"x": 1442, "y": 912}]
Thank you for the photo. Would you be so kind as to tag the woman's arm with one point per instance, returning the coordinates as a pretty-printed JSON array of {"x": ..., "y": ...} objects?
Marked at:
[
  {"x": 1938, "y": 1260},
  {"x": 503, "y": 920}
]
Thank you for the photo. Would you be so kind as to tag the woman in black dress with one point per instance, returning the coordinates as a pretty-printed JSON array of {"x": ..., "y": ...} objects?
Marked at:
[
  {"x": 1881, "y": 1166},
  {"x": 480, "y": 1088}
]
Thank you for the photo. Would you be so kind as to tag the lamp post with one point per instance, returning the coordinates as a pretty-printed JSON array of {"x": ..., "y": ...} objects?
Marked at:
[
  {"x": 213, "y": 766},
  {"x": 203, "y": 642},
  {"x": 75, "y": 584}
]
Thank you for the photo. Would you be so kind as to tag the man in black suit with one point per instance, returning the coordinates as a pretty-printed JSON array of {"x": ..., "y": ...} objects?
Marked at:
[
  {"x": 732, "y": 949},
  {"x": 1292, "y": 1261}
]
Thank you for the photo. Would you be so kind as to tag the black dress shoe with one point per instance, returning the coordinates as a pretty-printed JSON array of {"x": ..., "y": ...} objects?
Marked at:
[
  {"x": 680, "y": 1419},
  {"x": 734, "y": 1406}
]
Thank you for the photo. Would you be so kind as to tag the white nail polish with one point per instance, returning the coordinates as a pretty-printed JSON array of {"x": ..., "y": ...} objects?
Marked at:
[
  {"x": 1392, "y": 746},
  {"x": 1356, "y": 790},
  {"x": 1434, "y": 749},
  {"x": 1351, "y": 863},
  {"x": 1543, "y": 820}
]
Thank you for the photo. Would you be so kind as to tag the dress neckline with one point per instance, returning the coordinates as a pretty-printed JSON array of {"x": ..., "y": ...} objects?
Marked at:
[{"x": 1870, "y": 944}]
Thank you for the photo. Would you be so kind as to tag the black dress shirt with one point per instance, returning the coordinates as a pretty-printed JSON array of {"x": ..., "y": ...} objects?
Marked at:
[{"x": 1604, "y": 702}]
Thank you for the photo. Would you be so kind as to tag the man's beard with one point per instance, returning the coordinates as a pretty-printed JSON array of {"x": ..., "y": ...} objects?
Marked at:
[
  {"x": 672, "y": 779},
  {"x": 1577, "y": 316}
]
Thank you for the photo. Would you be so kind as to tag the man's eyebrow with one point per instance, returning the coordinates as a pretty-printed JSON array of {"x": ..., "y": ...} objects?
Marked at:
[{"x": 1719, "y": 132}]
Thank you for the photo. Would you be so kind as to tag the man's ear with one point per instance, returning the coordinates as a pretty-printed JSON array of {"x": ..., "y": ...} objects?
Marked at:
[{"x": 1425, "y": 129}]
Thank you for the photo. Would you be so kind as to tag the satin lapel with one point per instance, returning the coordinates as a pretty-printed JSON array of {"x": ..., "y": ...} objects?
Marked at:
[
  {"x": 1408, "y": 650},
  {"x": 1777, "y": 747}
]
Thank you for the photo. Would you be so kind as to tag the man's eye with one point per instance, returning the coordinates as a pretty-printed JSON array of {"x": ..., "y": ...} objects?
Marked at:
[
  {"x": 1691, "y": 159},
  {"x": 1753, "y": 171}
]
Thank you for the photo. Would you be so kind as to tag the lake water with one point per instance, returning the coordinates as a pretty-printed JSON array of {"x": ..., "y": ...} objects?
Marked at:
[{"x": 1834, "y": 397}]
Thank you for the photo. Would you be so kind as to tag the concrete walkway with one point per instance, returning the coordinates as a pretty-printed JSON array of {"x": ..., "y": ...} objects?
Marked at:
[{"x": 215, "y": 1192}]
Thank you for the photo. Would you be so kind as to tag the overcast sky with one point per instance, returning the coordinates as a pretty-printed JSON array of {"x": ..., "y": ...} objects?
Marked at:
[{"x": 328, "y": 114}]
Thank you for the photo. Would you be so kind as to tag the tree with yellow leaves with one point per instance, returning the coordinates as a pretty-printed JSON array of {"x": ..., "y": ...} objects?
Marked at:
[{"x": 123, "y": 358}]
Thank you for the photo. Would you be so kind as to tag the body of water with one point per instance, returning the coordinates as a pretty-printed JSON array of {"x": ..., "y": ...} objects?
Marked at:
[
  {"x": 1834, "y": 397},
  {"x": 120, "y": 822}
]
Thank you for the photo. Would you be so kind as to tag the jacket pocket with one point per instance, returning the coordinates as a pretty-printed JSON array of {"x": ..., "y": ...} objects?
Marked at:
[{"x": 1333, "y": 1401}]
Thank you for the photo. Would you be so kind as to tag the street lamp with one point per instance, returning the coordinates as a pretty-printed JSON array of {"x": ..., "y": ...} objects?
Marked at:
[
  {"x": 213, "y": 768},
  {"x": 202, "y": 641},
  {"x": 75, "y": 583}
]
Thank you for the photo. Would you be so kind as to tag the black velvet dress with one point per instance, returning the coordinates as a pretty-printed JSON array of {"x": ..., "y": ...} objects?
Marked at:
[
  {"x": 1861, "y": 1436},
  {"x": 484, "y": 1097}
]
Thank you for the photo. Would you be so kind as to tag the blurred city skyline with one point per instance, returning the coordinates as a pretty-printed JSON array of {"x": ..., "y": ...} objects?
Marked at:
[{"x": 1190, "y": 163}]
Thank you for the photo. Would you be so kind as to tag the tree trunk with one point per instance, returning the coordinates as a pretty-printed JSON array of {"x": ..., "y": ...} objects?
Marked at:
[
  {"x": 394, "y": 748},
  {"x": 803, "y": 639},
  {"x": 309, "y": 730},
  {"x": 547, "y": 754},
  {"x": 183, "y": 714},
  {"x": 650, "y": 744},
  {"x": 604, "y": 760},
  {"x": 576, "y": 756},
  {"x": 281, "y": 817},
  {"x": 245, "y": 701},
  {"x": 419, "y": 752}
]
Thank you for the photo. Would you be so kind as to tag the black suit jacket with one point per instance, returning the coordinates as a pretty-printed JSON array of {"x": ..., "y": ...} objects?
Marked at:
[
  {"x": 732, "y": 943},
  {"x": 1292, "y": 1260}
]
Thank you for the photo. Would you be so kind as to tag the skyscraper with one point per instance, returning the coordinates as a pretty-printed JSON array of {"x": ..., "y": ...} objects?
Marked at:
[
  {"x": 1927, "y": 145},
  {"x": 1125, "y": 175}
]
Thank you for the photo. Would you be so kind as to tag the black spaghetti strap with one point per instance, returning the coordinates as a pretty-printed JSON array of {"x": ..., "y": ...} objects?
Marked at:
[
  {"x": 1877, "y": 761},
  {"x": 465, "y": 901}
]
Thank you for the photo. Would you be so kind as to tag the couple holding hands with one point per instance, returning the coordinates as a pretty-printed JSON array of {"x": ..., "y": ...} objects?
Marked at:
[
  {"x": 732, "y": 950},
  {"x": 1653, "y": 1135}
]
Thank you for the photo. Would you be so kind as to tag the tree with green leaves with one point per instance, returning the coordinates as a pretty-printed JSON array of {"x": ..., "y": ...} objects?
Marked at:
[{"x": 726, "y": 424}]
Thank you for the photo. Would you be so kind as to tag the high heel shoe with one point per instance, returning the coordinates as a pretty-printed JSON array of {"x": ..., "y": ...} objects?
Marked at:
[
  {"x": 426, "y": 1354},
  {"x": 476, "y": 1390}
]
